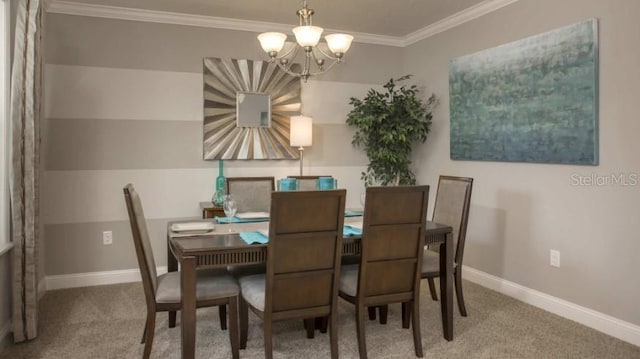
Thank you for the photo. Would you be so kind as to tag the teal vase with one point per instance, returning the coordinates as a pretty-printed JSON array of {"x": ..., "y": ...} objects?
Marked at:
[{"x": 221, "y": 184}]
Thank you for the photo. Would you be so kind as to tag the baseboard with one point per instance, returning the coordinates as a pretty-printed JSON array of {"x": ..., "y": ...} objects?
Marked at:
[
  {"x": 601, "y": 322},
  {"x": 42, "y": 288},
  {"x": 5, "y": 339},
  {"x": 95, "y": 278}
]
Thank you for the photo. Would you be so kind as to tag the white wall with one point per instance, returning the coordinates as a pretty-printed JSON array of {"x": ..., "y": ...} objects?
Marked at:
[{"x": 520, "y": 210}]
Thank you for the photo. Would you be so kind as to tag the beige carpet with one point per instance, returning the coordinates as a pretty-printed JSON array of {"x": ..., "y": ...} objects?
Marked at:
[{"x": 107, "y": 322}]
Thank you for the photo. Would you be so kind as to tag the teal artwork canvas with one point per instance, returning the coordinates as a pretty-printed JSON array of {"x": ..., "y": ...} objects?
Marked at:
[{"x": 532, "y": 100}]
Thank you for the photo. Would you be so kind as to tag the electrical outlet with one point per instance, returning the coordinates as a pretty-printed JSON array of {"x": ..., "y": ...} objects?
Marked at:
[
  {"x": 107, "y": 238},
  {"x": 554, "y": 258}
]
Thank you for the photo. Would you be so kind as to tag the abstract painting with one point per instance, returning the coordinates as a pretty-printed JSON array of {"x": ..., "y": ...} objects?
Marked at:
[{"x": 532, "y": 100}]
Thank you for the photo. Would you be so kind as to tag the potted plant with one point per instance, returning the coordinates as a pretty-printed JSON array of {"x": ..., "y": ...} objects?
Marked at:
[{"x": 387, "y": 126}]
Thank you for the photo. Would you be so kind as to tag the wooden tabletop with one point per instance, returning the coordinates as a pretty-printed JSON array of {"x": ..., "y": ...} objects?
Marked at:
[{"x": 220, "y": 239}]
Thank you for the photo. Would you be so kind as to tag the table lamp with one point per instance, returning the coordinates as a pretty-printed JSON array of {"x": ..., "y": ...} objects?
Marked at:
[{"x": 300, "y": 134}]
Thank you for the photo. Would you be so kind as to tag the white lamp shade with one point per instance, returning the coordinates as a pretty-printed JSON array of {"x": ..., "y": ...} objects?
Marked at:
[
  {"x": 339, "y": 43},
  {"x": 272, "y": 41},
  {"x": 307, "y": 35},
  {"x": 300, "y": 131}
]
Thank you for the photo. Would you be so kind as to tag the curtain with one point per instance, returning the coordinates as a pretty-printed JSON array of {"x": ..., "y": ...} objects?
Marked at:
[{"x": 25, "y": 158}]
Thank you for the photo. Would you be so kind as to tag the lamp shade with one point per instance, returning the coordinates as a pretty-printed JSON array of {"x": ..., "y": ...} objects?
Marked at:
[
  {"x": 272, "y": 41},
  {"x": 339, "y": 43},
  {"x": 300, "y": 131},
  {"x": 307, "y": 35}
]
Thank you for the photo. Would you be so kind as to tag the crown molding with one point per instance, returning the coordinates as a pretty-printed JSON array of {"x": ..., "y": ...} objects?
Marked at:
[
  {"x": 165, "y": 17},
  {"x": 456, "y": 19}
]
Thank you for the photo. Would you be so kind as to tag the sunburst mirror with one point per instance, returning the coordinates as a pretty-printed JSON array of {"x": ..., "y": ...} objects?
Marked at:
[{"x": 247, "y": 105}]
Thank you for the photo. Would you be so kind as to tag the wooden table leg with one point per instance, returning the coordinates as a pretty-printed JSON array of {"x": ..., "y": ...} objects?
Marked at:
[
  {"x": 172, "y": 266},
  {"x": 172, "y": 262},
  {"x": 188, "y": 312},
  {"x": 310, "y": 327},
  {"x": 446, "y": 286}
]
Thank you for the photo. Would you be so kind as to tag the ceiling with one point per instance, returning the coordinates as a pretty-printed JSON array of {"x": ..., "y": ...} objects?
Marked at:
[{"x": 381, "y": 17}]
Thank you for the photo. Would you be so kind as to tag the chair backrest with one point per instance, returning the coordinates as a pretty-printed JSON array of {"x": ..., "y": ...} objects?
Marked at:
[
  {"x": 452, "y": 208},
  {"x": 304, "y": 253},
  {"x": 252, "y": 194},
  {"x": 142, "y": 243},
  {"x": 393, "y": 235},
  {"x": 307, "y": 183}
]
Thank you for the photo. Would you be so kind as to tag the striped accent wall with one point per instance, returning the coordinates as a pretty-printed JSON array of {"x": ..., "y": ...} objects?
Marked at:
[
  {"x": 109, "y": 122},
  {"x": 99, "y": 138}
]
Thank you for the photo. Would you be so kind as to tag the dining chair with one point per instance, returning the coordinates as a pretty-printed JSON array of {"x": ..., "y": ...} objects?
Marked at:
[
  {"x": 392, "y": 243},
  {"x": 303, "y": 264},
  {"x": 451, "y": 208},
  {"x": 252, "y": 194},
  {"x": 162, "y": 292},
  {"x": 306, "y": 183}
]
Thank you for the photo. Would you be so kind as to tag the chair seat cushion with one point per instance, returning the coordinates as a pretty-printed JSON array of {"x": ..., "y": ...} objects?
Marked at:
[
  {"x": 349, "y": 279},
  {"x": 210, "y": 284},
  {"x": 253, "y": 289},
  {"x": 431, "y": 262}
]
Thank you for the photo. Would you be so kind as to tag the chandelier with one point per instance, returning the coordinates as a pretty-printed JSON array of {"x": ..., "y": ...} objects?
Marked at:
[{"x": 308, "y": 39}]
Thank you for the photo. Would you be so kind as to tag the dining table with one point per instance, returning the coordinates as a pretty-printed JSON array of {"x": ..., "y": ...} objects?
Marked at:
[{"x": 219, "y": 248}]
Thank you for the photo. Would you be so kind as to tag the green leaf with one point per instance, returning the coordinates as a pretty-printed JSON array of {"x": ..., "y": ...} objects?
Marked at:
[{"x": 387, "y": 125}]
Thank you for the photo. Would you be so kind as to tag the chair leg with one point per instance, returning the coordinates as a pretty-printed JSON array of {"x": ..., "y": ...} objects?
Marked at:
[
  {"x": 432, "y": 288},
  {"x": 268, "y": 341},
  {"x": 144, "y": 333},
  {"x": 310, "y": 327},
  {"x": 150, "y": 329},
  {"x": 458, "y": 283},
  {"x": 222, "y": 312},
  {"x": 333, "y": 335},
  {"x": 172, "y": 319},
  {"x": 406, "y": 313},
  {"x": 233, "y": 327},
  {"x": 415, "y": 319},
  {"x": 244, "y": 322},
  {"x": 384, "y": 310},
  {"x": 362, "y": 344},
  {"x": 322, "y": 323},
  {"x": 372, "y": 313}
]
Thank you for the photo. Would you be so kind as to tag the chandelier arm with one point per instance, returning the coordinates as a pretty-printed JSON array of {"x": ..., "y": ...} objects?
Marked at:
[
  {"x": 287, "y": 70},
  {"x": 326, "y": 68},
  {"x": 315, "y": 59},
  {"x": 329, "y": 56},
  {"x": 292, "y": 49}
]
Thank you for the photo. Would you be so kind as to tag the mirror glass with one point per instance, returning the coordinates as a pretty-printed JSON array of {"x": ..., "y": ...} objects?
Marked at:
[{"x": 253, "y": 109}]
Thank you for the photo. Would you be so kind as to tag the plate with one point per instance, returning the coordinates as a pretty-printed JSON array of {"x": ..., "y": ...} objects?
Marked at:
[
  {"x": 252, "y": 215},
  {"x": 357, "y": 225},
  {"x": 193, "y": 227}
]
